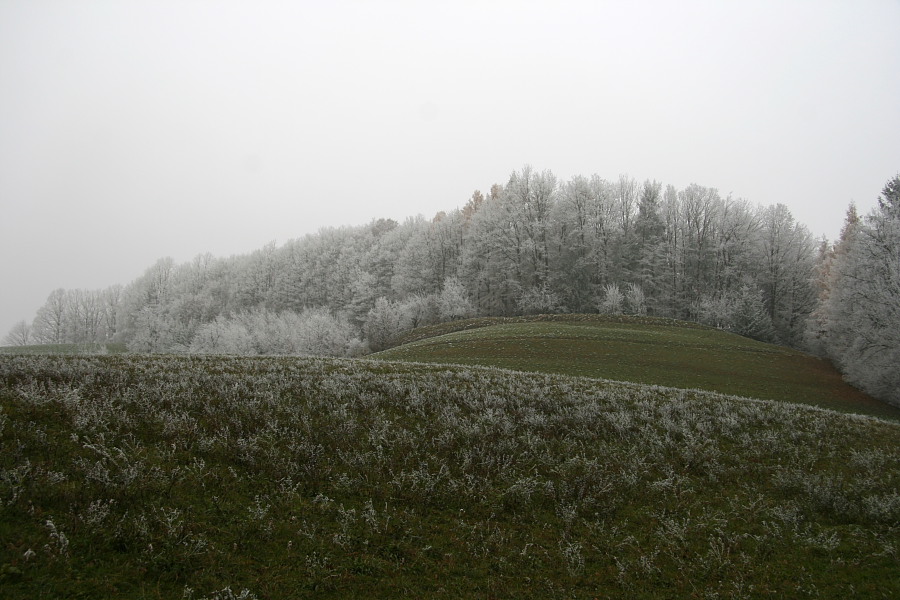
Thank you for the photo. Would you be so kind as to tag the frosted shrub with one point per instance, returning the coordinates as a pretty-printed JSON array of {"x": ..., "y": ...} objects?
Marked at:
[
  {"x": 871, "y": 460},
  {"x": 319, "y": 567},
  {"x": 883, "y": 507},
  {"x": 573, "y": 557},
  {"x": 114, "y": 468},
  {"x": 59, "y": 543},
  {"x": 225, "y": 593},
  {"x": 715, "y": 311},
  {"x": 453, "y": 302},
  {"x": 97, "y": 512},
  {"x": 323, "y": 334},
  {"x": 635, "y": 301},
  {"x": 519, "y": 495},
  {"x": 383, "y": 322},
  {"x": 419, "y": 310},
  {"x": 613, "y": 300},
  {"x": 826, "y": 541},
  {"x": 260, "y": 508},
  {"x": 742, "y": 312},
  {"x": 13, "y": 482},
  {"x": 370, "y": 517},
  {"x": 312, "y": 332}
]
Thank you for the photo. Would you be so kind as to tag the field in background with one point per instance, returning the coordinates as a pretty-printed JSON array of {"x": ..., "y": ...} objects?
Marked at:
[{"x": 642, "y": 350}]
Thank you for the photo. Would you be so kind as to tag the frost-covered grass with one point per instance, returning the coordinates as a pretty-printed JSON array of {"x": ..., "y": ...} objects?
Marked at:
[
  {"x": 65, "y": 349},
  {"x": 212, "y": 477},
  {"x": 642, "y": 350}
]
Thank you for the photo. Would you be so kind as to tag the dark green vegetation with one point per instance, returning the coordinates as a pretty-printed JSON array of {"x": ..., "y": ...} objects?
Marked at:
[
  {"x": 642, "y": 350},
  {"x": 168, "y": 477}
]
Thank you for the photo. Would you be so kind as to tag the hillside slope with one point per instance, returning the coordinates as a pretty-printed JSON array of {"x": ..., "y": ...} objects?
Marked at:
[
  {"x": 215, "y": 477},
  {"x": 641, "y": 350}
]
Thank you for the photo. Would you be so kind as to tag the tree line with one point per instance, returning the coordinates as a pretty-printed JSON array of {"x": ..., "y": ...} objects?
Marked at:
[
  {"x": 533, "y": 245},
  {"x": 856, "y": 321}
]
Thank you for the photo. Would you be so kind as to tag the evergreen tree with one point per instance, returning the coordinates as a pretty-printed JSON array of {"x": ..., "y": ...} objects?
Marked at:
[{"x": 861, "y": 309}]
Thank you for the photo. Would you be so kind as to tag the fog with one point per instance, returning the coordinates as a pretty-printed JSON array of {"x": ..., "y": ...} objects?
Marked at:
[{"x": 130, "y": 131}]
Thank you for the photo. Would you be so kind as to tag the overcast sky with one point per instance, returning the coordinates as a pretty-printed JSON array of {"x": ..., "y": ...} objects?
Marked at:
[{"x": 130, "y": 131}]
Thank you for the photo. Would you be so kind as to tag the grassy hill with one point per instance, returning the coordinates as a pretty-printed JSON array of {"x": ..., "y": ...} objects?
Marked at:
[
  {"x": 643, "y": 350},
  {"x": 133, "y": 476}
]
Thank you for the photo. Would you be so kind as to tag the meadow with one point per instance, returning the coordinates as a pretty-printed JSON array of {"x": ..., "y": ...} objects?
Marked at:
[
  {"x": 134, "y": 476},
  {"x": 643, "y": 350}
]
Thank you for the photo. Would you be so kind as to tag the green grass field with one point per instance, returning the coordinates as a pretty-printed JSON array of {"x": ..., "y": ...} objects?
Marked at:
[
  {"x": 128, "y": 476},
  {"x": 221, "y": 478},
  {"x": 641, "y": 350}
]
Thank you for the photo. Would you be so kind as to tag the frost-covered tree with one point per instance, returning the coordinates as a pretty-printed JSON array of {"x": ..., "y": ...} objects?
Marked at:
[
  {"x": 531, "y": 245},
  {"x": 699, "y": 211},
  {"x": 672, "y": 284},
  {"x": 649, "y": 245},
  {"x": 419, "y": 310},
  {"x": 860, "y": 311},
  {"x": 584, "y": 232},
  {"x": 530, "y": 197},
  {"x": 453, "y": 302},
  {"x": 362, "y": 297},
  {"x": 740, "y": 311},
  {"x": 613, "y": 301},
  {"x": 737, "y": 238},
  {"x": 823, "y": 335},
  {"x": 419, "y": 268},
  {"x": 18, "y": 335},
  {"x": 575, "y": 264},
  {"x": 153, "y": 330},
  {"x": 635, "y": 301},
  {"x": 788, "y": 253},
  {"x": 443, "y": 247},
  {"x": 50, "y": 323},
  {"x": 540, "y": 300},
  {"x": 111, "y": 298},
  {"x": 491, "y": 258},
  {"x": 624, "y": 244},
  {"x": 320, "y": 333},
  {"x": 716, "y": 311},
  {"x": 749, "y": 316},
  {"x": 256, "y": 277},
  {"x": 86, "y": 316},
  {"x": 314, "y": 332},
  {"x": 293, "y": 287},
  {"x": 382, "y": 249},
  {"x": 383, "y": 322},
  {"x": 78, "y": 316},
  {"x": 147, "y": 321}
]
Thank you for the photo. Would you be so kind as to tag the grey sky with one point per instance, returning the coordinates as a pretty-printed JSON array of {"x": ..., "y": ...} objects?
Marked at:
[{"x": 130, "y": 131}]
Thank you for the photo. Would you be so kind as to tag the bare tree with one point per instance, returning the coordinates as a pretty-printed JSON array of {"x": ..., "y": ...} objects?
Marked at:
[
  {"x": 19, "y": 335},
  {"x": 110, "y": 299},
  {"x": 50, "y": 321}
]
